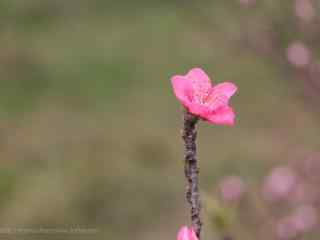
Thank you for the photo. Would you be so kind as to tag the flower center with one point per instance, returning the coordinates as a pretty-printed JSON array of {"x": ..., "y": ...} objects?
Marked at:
[
  {"x": 201, "y": 97},
  {"x": 211, "y": 99}
]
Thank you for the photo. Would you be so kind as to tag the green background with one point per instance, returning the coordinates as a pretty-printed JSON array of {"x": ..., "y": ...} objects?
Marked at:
[{"x": 90, "y": 128}]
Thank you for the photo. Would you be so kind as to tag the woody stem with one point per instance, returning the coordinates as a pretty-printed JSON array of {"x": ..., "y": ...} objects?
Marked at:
[{"x": 191, "y": 169}]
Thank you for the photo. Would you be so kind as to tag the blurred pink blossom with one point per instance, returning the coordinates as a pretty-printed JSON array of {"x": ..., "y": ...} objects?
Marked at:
[
  {"x": 186, "y": 233},
  {"x": 232, "y": 188},
  {"x": 304, "y": 218},
  {"x": 279, "y": 184},
  {"x": 311, "y": 167},
  {"x": 285, "y": 229},
  {"x": 300, "y": 222},
  {"x": 195, "y": 91},
  {"x": 298, "y": 54},
  {"x": 314, "y": 71},
  {"x": 301, "y": 194},
  {"x": 304, "y": 10}
]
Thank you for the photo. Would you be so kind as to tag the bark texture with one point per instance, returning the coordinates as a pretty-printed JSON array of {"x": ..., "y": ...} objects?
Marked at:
[{"x": 191, "y": 170}]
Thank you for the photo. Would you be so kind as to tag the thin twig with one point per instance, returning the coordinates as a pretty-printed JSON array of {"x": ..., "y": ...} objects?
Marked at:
[{"x": 191, "y": 169}]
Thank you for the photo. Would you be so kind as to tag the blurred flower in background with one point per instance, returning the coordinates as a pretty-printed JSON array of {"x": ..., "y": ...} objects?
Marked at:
[
  {"x": 298, "y": 54},
  {"x": 314, "y": 72},
  {"x": 305, "y": 218},
  {"x": 304, "y": 10},
  {"x": 301, "y": 221},
  {"x": 285, "y": 229},
  {"x": 232, "y": 188},
  {"x": 310, "y": 168},
  {"x": 279, "y": 184},
  {"x": 303, "y": 193}
]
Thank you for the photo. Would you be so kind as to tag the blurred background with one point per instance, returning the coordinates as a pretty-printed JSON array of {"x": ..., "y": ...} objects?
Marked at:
[{"x": 90, "y": 128}]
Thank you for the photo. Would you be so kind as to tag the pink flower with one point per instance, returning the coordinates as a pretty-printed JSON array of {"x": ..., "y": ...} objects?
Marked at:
[
  {"x": 280, "y": 184},
  {"x": 304, "y": 10},
  {"x": 285, "y": 229},
  {"x": 298, "y": 54},
  {"x": 305, "y": 218},
  {"x": 195, "y": 91},
  {"x": 301, "y": 221},
  {"x": 232, "y": 188},
  {"x": 186, "y": 233}
]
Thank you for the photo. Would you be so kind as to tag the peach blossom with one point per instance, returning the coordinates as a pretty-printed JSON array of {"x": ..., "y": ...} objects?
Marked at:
[
  {"x": 279, "y": 184},
  {"x": 298, "y": 54},
  {"x": 232, "y": 188},
  {"x": 209, "y": 102},
  {"x": 304, "y": 10},
  {"x": 186, "y": 233}
]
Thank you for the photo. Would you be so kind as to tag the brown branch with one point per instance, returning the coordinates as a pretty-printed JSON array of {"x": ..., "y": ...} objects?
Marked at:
[{"x": 191, "y": 169}]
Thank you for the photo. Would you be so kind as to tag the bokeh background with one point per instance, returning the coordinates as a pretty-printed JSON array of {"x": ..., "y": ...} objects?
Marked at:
[{"x": 90, "y": 128}]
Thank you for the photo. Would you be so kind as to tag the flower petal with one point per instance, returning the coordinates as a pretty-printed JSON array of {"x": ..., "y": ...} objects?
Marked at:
[
  {"x": 200, "y": 80},
  {"x": 226, "y": 88},
  {"x": 220, "y": 94},
  {"x": 183, "y": 233},
  {"x": 216, "y": 100},
  {"x": 222, "y": 116},
  {"x": 186, "y": 233},
  {"x": 192, "y": 234},
  {"x": 182, "y": 88},
  {"x": 198, "y": 109}
]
